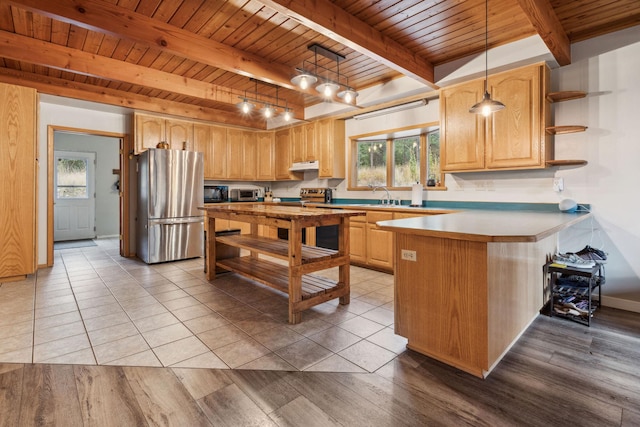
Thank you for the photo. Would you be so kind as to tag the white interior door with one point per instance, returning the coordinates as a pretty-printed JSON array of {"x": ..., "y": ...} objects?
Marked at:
[{"x": 74, "y": 199}]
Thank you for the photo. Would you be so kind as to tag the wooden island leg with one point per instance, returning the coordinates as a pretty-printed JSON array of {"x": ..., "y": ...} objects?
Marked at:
[
  {"x": 211, "y": 247},
  {"x": 295, "y": 277},
  {"x": 343, "y": 249}
]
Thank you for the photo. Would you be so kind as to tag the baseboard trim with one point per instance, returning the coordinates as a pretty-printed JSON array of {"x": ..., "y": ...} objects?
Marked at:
[{"x": 622, "y": 304}]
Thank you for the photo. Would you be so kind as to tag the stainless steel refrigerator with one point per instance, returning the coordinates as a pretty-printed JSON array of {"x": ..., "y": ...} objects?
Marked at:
[{"x": 170, "y": 189}]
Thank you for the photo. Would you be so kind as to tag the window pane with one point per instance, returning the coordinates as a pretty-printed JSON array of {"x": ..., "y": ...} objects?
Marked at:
[
  {"x": 71, "y": 179},
  {"x": 371, "y": 163},
  {"x": 406, "y": 161},
  {"x": 433, "y": 155}
]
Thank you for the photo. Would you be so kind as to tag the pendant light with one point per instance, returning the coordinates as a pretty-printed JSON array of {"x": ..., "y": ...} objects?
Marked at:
[{"x": 487, "y": 106}]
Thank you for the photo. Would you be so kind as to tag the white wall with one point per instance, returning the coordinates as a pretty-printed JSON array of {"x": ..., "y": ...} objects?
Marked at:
[{"x": 107, "y": 159}]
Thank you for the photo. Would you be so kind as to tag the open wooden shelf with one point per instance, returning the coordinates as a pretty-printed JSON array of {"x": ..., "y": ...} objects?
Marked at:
[
  {"x": 277, "y": 276},
  {"x": 557, "y": 130},
  {"x": 565, "y": 95},
  {"x": 276, "y": 248},
  {"x": 566, "y": 162}
]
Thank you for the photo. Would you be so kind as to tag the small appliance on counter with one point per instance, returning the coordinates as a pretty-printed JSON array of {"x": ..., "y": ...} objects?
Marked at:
[
  {"x": 216, "y": 193},
  {"x": 243, "y": 195}
]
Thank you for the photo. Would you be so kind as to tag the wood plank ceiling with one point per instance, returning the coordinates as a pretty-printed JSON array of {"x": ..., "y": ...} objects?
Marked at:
[{"x": 195, "y": 58}]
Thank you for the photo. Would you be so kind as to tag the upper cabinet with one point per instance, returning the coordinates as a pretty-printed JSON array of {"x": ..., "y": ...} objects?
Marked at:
[
  {"x": 151, "y": 130},
  {"x": 266, "y": 156},
  {"x": 18, "y": 172},
  {"x": 331, "y": 148},
  {"x": 513, "y": 138},
  {"x": 283, "y": 156},
  {"x": 247, "y": 155},
  {"x": 303, "y": 143}
]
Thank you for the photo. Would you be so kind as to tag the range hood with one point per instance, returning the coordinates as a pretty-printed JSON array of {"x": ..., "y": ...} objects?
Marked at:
[{"x": 304, "y": 166}]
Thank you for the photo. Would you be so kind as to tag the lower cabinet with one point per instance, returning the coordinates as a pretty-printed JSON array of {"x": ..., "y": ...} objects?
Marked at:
[{"x": 370, "y": 246}]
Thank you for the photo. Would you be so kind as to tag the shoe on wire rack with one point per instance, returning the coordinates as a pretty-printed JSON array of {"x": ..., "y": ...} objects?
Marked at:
[
  {"x": 573, "y": 260},
  {"x": 592, "y": 254}
]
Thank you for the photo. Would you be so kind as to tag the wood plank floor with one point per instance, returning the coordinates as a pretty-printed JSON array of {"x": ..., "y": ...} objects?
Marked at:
[{"x": 558, "y": 373}]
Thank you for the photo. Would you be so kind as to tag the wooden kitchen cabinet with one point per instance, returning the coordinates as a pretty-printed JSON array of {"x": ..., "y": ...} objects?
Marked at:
[
  {"x": 249, "y": 164},
  {"x": 283, "y": 157},
  {"x": 179, "y": 134},
  {"x": 379, "y": 242},
  {"x": 150, "y": 130},
  {"x": 358, "y": 241},
  {"x": 266, "y": 156},
  {"x": 18, "y": 174},
  {"x": 219, "y": 160},
  {"x": 298, "y": 147},
  {"x": 203, "y": 144},
  {"x": 513, "y": 138},
  {"x": 370, "y": 246},
  {"x": 461, "y": 133},
  {"x": 303, "y": 143},
  {"x": 234, "y": 153},
  {"x": 330, "y": 140}
]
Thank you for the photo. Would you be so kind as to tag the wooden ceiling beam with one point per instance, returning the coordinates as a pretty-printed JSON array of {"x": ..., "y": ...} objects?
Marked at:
[
  {"x": 549, "y": 28},
  {"x": 33, "y": 51},
  {"x": 107, "y": 18},
  {"x": 102, "y": 95},
  {"x": 334, "y": 22}
]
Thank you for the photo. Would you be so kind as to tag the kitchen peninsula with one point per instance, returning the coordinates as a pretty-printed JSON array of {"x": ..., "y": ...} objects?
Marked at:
[
  {"x": 468, "y": 284},
  {"x": 305, "y": 290}
]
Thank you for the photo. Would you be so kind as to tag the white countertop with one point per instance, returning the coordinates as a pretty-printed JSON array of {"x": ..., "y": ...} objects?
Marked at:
[{"x": 487, "y": 226}]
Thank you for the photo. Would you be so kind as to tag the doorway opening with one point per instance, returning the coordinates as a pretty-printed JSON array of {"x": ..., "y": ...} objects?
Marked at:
[{"x": 87, "y": 191}]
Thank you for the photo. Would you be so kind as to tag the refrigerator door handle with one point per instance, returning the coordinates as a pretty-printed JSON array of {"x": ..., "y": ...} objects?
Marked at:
[{"x": 172, "y": 221}]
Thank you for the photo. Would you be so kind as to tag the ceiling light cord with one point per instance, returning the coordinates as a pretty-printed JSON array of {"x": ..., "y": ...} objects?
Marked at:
[{"x": 487, "y": 106}]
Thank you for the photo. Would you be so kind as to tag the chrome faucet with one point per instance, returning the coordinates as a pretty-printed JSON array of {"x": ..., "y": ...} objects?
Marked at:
[{"x": 385, "y": 189}]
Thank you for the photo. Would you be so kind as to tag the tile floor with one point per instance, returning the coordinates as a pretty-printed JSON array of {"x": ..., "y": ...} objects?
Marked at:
[{"x": 97, "y": 308}]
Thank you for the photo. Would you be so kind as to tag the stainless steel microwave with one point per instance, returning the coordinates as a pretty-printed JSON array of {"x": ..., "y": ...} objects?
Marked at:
[
  {"x": 243, "y": 195},
  {"x": 216, "y": 193}
]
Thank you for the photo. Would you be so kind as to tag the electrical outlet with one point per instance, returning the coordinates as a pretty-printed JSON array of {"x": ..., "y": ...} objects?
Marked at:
[
  {"x": 558, "y": 184},
  {"x": 408, "y": 255}
]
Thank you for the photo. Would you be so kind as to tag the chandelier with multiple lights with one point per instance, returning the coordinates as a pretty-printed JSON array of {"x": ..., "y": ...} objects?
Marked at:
[
  {"x": 271, "y": 105},
  {"x": 330, "y": 82}
]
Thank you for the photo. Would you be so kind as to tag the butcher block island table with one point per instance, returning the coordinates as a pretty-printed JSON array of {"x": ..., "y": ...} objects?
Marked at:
[{"x": 294, "y": 276}]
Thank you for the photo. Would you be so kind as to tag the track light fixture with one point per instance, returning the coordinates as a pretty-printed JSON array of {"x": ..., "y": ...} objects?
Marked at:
[
  {"x": 330, "y": 80},
  {"x": 487, "y": 105},
  {"x": 269, "y": 108}
]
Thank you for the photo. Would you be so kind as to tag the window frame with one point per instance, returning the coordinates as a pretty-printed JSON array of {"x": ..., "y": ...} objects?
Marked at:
[{"x": 389, "y": 136}]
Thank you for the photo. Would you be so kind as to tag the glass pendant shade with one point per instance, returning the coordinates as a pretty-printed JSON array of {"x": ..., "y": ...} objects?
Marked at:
[
  {"x": 349, "y": 95},
  {"x": 286, "y": 115},
  {"x": 304, "y": 80},
  {"x": 486, "y": 106},
  {"x": 267, "y": 111},
  {"x": 245, "y": 106},
  {"x": 327, "y": 89}
]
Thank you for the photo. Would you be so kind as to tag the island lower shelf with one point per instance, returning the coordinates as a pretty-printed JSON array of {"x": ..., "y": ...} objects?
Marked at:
[{"x": 313, "y": 288}]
